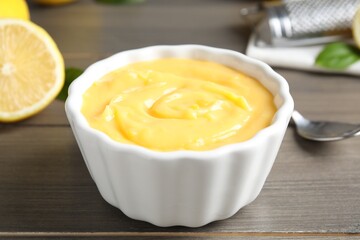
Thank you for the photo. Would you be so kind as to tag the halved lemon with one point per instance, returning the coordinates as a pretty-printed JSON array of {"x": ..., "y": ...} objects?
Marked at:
[
  {"x": 356, "y": 27},
  {"x": 31, "y": 69}
]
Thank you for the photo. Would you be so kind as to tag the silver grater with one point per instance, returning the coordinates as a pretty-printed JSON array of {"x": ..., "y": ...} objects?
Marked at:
[{"x": 304, "y": 22}]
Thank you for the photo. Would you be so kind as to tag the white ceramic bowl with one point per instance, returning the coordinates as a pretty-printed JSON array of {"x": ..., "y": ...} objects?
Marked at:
[{"x": 187, "y": 188}]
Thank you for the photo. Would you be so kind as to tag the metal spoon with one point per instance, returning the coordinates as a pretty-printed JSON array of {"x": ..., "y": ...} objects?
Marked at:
[{"x": 324, "y": 131}]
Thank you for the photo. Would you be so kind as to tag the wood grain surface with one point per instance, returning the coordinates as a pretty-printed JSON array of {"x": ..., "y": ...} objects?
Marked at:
[{"x": 312, "y": 192}]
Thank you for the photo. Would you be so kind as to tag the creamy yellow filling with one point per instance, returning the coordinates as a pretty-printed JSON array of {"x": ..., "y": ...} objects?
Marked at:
[{"x": 178, "y": 104}]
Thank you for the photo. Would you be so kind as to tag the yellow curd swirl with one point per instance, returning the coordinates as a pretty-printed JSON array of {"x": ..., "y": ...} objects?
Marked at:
[{"x": 178, "y": 104}]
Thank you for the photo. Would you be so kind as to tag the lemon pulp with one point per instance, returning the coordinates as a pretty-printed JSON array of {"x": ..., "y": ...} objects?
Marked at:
[{"x": 31, "y": 69}]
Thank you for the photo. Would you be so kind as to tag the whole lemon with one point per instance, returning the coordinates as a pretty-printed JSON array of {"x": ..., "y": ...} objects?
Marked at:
[{"x": 14, "y": 9}]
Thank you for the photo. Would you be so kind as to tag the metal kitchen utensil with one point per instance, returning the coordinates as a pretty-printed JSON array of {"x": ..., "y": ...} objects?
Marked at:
[
  {"x": 324, "y": 131},
  {"x": 303, "y": 22}
]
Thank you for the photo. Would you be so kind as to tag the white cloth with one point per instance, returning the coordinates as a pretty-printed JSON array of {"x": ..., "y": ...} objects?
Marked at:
[{"x": 293, "y": 57}]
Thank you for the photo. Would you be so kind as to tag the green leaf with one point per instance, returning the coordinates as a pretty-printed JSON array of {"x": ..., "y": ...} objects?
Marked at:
[
  {"x": 119, "y": 1},
  {"x": 70, "y": 75},
  {"x": 338, "y": 56}
]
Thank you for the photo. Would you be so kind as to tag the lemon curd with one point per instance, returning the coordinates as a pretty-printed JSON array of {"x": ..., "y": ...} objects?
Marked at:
[{"x": 178, "y": 104}]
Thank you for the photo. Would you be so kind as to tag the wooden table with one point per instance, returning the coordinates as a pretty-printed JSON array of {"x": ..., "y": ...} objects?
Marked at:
[{"x": 46, "y": 191}]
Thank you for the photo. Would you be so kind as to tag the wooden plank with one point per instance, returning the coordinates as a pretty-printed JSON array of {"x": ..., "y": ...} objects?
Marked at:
[
  {"x": 89, "y": 27},
  {"x": 53, "y": 115},
  {"x": 325, "y": 96},
  {"x": 182, "y": 236},
  {"x": 45, "y": 187}
]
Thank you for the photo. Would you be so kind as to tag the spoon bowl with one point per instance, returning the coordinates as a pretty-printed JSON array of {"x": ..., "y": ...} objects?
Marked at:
[{"x": 324, "y": 131}]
